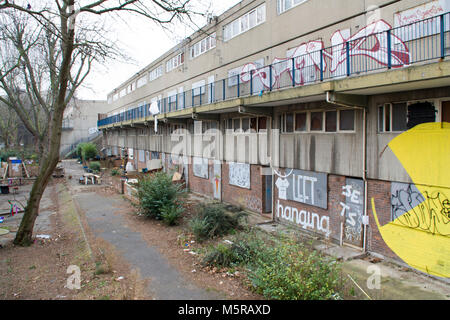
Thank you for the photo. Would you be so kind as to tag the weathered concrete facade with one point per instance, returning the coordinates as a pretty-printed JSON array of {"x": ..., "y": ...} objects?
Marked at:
[{"x": 294, "y": 116}]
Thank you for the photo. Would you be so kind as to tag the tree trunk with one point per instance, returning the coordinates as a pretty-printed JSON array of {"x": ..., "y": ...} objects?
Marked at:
[{"x": 25, "y": 232}]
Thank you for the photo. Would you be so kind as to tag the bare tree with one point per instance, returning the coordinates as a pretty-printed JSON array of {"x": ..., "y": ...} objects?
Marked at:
[{"x": 52, "y": 47}]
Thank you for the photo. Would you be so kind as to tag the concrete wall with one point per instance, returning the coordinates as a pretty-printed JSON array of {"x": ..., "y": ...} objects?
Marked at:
[{"x": 80, "y": 116}]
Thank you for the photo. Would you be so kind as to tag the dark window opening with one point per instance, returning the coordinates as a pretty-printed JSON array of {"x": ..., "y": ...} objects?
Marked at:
[
  {"x": 245, "y": 124},
  {"x": 289, "y": 122},
  {"x": 262, "y": 123},
  {"x": 237, "y": 125},
  {"x": 331, "y": 121},
  {"x": 422, "y": 112},
  {"x": 316, "y": 121},
  {"x": 347, "y": 120},
  {"x": 300, "y": 122}
]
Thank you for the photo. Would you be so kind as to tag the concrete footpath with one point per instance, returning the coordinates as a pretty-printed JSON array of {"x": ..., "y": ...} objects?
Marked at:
[{"x": 101, "y": 212}]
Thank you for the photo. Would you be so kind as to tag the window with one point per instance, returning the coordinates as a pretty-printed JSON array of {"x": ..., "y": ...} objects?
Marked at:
[
  {"x": 300, "y": 121},
  {"x": 284, "y": 5},
  {"x": 399, "y": 117},
  {"x": 203, "y": 46},
  {"x": 141, "y": 82},
  {"x": 156, "y": 73},
  {"x": 244, "y": 23},
  {"x": 237, "y": 125},
  {"x": 331, "y": 121},
  {"x": 262, "y": 124},
  {"x": 198, "y": 88},
  {"x": 245, "y": 124},
  {"x": 289, "y": 122},
  {"x": 254, "y": 125},
  {"x": 175, "y": 62},
  {"x": 392, "y": 117},
  {"x": 347, "y": 120},
  {"x": 316, "y": 121}
]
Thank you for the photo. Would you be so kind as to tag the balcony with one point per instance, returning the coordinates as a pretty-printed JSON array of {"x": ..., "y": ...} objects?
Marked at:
[{"x": 316, "y": 69}]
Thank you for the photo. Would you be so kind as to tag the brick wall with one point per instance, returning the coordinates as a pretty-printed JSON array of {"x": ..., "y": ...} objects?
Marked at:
[
  {"x": 330, "y": 217},
  {"x": 380, "y": 191},
  {"x": 253, "y": 198},
  {"x": 201, "y": 185}
]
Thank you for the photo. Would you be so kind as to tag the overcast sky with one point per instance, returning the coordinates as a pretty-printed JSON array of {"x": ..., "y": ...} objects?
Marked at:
[{"x": 143, "y": 42}]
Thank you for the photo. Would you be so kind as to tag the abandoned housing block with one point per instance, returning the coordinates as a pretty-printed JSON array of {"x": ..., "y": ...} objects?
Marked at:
[{"x": 288, "y": 108}]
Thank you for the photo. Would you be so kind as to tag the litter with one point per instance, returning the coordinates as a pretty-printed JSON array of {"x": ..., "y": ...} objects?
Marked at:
[{"x": 43, "y": 236}]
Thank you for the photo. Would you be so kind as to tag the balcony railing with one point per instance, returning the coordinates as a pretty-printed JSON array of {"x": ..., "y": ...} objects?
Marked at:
[{"x": 380, "y": 48}]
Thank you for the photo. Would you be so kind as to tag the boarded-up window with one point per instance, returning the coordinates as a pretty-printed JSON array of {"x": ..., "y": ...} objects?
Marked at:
[
  {"x": 347, "y": 120},
  {"x": 331, "y": 121},
  {"x": 300, "y": 122},
  {"x": 237, "y": 125},
  {"x": 245, "y": 124},
  {"x": 253, "y": 124},
  {"x": 316, "y": 121},
  {"x": 289, "y": 122},
  {"x": 262, "y": 123}
]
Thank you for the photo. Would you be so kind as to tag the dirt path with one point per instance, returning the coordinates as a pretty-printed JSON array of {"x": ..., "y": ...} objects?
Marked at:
[{"x": 105, "y": 220}]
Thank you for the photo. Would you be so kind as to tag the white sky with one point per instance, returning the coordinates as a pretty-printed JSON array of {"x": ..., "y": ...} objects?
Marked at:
[{"x": 143, "y": 41}]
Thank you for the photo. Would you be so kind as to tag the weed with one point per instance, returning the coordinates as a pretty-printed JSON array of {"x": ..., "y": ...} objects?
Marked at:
[
  {"x": 212, "y": 221},
  {"x": 171, "y": 213}
]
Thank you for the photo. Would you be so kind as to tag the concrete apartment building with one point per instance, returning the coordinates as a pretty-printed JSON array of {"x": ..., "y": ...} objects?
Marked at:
[
  {"x": 80, "y": 122},
  {"x": 288, "y": 107}
]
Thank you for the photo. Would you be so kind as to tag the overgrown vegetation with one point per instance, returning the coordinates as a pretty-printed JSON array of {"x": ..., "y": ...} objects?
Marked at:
[
  {"x": 159, "y": 198},
  {"x": 212, "y": 221},
  {"x": 282, "y": 269},
  {"x": 95, "y": 166},
  {"x": 171, "y": 213},
  {"x": 115, "y": 172},
  {"x": 86, "y": 151},
  {"x": 19, "y": 153}
]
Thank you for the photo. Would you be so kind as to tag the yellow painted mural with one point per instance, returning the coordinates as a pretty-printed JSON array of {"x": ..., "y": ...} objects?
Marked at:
[{"x": 421, "y": 236}]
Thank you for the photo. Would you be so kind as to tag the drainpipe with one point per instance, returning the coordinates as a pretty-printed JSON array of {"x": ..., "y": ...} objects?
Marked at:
[{"x": 364, "y": 163}]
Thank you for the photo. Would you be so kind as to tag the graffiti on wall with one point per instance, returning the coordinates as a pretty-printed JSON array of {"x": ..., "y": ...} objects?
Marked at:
[
  {"x": 200, "y": 167},
  {"x": 217, "y": 180},
  {"x": 305, "y": 219},
  {"x": 303, "y": 186},
  {"x": 420, "y": 231},
  {"x": 412, "y": 209},
  {"x": 239, "y": 174},
  {"x": 422, "y": 12},
  {"x": 353, "y": 209},
  {"x": 369, "y": 42}
]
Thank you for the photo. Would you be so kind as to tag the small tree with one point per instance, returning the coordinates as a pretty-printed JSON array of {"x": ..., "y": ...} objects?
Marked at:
[
  {"x": 89, "y": 151},
  {"x": 158, "y": 196}
]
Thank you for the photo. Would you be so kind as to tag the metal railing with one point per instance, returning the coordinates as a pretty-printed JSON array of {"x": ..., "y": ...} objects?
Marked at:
[{"x": 380, "y": 48}]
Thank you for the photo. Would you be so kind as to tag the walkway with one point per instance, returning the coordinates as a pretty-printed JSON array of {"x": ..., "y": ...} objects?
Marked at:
[{"x": 101, "y": 211}]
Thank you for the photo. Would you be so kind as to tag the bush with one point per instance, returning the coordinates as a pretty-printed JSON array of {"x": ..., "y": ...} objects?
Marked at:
[
  {"x": 89, "y": 151},
  {"x": 95, "y": 166},
  {"x": 212, "y": 221},
  {"x": 115, "y": 172},
  {"x": 226, "y": 256},
  {"x": 290, "y": 271},
  {"x": 157, "y": 193},
  {"x": 80, "y": 150},
  {"x": 171, "y": 213}
]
